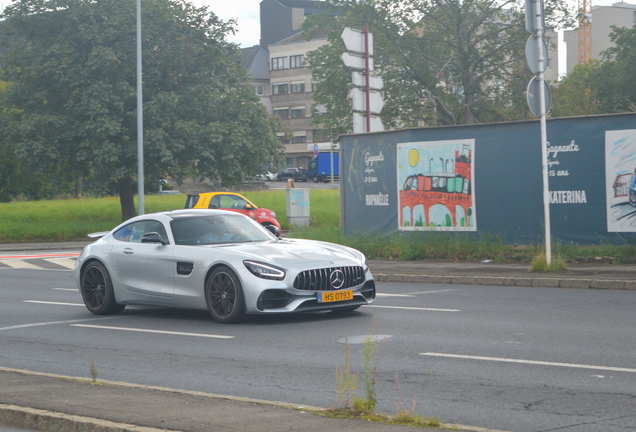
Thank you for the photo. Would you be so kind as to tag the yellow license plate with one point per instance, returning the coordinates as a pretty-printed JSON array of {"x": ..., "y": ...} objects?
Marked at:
[{"x": 334, "y": 296}]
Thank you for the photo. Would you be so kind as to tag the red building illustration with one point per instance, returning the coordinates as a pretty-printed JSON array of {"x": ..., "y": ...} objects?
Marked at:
[{"x": 450, "y": 189}]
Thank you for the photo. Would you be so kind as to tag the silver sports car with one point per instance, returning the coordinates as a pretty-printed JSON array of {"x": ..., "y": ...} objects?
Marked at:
[{"x": 220, "y": 261}]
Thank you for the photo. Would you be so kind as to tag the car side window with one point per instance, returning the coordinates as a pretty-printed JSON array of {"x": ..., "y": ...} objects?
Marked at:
[
  {"x": 123, "y": 234},
  {"x": 145, "y": 227},
  {"x": 214, "y": 202},
  {"x": 232, "y": 202}
]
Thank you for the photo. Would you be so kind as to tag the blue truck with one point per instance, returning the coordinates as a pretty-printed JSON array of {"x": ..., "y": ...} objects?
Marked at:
[{"x": 319, "y": 168}]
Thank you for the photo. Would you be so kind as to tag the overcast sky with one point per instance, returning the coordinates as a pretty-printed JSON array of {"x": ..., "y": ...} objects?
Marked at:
[{"x": 246, "y": 12}]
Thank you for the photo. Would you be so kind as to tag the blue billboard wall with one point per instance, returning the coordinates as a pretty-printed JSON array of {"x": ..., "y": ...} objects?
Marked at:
[{"x": 488, "y": 179}]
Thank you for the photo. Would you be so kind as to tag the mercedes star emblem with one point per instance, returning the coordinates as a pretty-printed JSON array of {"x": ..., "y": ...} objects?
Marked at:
[{"x": 337, "y": 279}]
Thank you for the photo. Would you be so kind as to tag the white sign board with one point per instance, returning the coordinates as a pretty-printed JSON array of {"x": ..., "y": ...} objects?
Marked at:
[
  {"x": 375, "y": 82},
  {"x": 355, "y": 61},
  {"x": 359, "y": 100},
  {"x": 360, "y": 123},
  {"x": 354, "y": 40}
]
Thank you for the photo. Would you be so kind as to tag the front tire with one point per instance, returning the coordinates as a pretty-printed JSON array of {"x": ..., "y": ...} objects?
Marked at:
[
  {"x": 224, "y": 296},
  {"x": 314, "y": 179},
  {"x": 97, "y": 290}
]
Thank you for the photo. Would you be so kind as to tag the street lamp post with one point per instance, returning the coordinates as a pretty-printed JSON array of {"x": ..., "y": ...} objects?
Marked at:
[{"x": 140, "y": 117}]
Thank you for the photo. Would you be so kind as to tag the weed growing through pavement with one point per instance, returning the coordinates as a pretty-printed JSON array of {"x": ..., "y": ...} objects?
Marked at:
[
  {"x": 540, "y": 264},
  {"x": 94, "y": 372},
  {"x": 346, "y": 382}
]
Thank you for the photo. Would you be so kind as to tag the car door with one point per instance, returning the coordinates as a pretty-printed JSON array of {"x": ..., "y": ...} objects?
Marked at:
[{"x": 146, "y": 268}]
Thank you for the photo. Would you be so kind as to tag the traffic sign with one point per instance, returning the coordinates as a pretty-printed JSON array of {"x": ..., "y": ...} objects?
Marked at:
[
  {"x": 532, "y": 54},
  {"x": 359, "y": 123},
  {"x": 375, "y": 82},
  {"x": 356, "y": 61},
  {"x": 533, "y": 97},
  {"x": 531, "y": 22},
  {"x": 354, "y": 40},
  {"x": 358, "y": 97}
]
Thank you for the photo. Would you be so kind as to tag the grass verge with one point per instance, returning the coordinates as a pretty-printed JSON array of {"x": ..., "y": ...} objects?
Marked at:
[{"x": 73, "y": 219}]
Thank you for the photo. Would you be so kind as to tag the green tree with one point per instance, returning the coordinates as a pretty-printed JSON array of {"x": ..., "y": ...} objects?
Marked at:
[
  {"x": 573, "y": 96},
  {"x": 442, "y": 61},
  {"x": 71, "y": 104},
  {"x": 614, "y": 78}
]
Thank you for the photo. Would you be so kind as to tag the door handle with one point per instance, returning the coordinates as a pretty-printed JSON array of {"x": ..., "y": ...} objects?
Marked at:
[{"x": 128, "y": 251}]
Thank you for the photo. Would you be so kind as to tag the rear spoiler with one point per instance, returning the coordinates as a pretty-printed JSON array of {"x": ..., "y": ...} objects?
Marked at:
[{"x": 98, "y": 234}]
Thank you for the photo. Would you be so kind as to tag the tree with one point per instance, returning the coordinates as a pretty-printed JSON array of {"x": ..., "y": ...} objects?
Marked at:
[
  {"x": 446, "y": 61},
  {"x": 574, "y": 94},
  {"x": 71, "y": 103},
  {"x": 614, "y": 79}
]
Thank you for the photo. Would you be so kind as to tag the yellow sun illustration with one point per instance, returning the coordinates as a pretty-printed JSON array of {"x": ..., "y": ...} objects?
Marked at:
[{"x": 414, "y": 157}]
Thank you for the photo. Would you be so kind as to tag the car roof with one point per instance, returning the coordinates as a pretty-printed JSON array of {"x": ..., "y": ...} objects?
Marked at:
[{"x": 211, "y": 194}]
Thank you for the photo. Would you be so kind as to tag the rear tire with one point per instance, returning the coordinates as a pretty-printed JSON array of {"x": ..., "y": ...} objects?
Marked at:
[
  {"x": 97, "y": 290},
  {"x": 224, "y": 296},
  {"x": 314, "y": 179}
]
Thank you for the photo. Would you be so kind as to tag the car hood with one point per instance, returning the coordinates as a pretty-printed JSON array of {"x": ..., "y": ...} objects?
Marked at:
[{"x": 295, "y": 253}]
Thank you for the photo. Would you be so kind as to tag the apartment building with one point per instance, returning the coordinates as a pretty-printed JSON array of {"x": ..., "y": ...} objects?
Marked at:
[{"x": 603, "y": 18}]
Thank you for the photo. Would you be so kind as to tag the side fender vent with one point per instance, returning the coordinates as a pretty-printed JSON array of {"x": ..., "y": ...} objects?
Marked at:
[{"x": 184, "y": 268}]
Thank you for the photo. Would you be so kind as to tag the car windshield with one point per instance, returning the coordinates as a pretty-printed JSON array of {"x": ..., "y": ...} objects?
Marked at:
[{"x": 216, "y": 229}]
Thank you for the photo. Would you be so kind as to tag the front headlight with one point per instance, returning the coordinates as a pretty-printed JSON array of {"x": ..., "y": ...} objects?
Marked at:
[
  {"x": 365, "y": 264},
  {"x": 273, "y": 215},
  {"x": 264, "y": 271}
]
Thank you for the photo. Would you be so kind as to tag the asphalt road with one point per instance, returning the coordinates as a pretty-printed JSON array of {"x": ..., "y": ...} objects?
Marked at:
[{"x": 507, "y": 358}]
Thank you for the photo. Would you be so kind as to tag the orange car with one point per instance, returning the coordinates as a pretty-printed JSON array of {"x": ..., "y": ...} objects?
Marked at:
[{"x": 237, "y": 203}]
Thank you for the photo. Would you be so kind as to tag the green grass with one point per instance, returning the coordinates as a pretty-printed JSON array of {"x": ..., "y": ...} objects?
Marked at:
[{"x": 73, "y": 219}]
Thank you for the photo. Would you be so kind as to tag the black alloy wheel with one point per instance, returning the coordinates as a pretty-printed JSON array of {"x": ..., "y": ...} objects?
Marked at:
[
  {"x": 224, "y": 296},
  {"x": 97, "y": 290}
]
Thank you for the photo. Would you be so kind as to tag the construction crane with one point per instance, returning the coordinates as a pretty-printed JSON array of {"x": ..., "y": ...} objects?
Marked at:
[{"x": 585, "y": 31}]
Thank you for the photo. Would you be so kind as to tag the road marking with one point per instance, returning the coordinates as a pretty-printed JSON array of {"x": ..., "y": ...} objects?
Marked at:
[
  {"x": 64, "y": 262},
  {"x": 65, "y": 289},
  {"x": 43, "y": 324},
  {"x": 19, "y": 264},
  {"x": 392, "y": 295},
  {"x": 153, "y": 331},
  {"x": 54, "y": 303},
  {"x": 532, "y": 362},
  {"x": 414, "y": 308},
  {"x": 432, "y": 292},
  {"x": 39, "y": 256}
]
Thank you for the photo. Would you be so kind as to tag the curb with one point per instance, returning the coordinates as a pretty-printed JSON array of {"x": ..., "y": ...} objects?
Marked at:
[
  {"x": 44, "y": 420},
  {"x": 508, "y": 281}
]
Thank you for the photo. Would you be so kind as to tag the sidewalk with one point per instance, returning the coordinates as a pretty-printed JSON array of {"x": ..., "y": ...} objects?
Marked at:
[{"x": 49, "y": 402}]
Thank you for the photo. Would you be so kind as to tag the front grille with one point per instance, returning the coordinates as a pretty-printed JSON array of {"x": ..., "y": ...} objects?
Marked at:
[{"x": 319, "y": 279}]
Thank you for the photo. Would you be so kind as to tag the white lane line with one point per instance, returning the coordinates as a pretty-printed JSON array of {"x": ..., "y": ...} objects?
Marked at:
[
  {"x": 20, "y": 264},
  {"x": 44, "y": 324},
  {"x": 414, "y": 308},
  {"x": 432, "y": 292},
  {"x": 532, "y": 362},
  {"x": 153, "y": 331},
  {"x": 53, "y": 303},
  {"x": 65, "y": 289},
  {"x": 392, "y": 295},
  {"x": 64, "y": 262}
]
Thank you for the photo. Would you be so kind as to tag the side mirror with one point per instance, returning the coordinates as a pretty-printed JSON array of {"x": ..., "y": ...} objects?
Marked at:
[
  {"x": 273, "y": 229},
  {"x": 249, "y": 207},
  {"x": 152, "y": 237}
]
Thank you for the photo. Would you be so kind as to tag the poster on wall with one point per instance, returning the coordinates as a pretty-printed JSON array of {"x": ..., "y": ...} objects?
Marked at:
[
  {"x": 436, "y": 188},
  {"x": 620, "y": 180}
]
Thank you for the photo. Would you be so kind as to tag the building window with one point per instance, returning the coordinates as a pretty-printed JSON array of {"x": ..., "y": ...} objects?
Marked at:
[
  {"x": 280, "y": 63},
  {"x": 296, "y": 61},
  {"x": 298, "y": 112},
  {"x": 283, "y": 139},
  {"x": 281, "y": 113},
  {"x": 299, "y": 139},
  {"x": 282, "y": 88},
  {"x": 298, "y": 87},
  {"x": 320, "y": 135},
  {"x": 260, "y": 90},
  {"x": 314, "y": 86}
]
